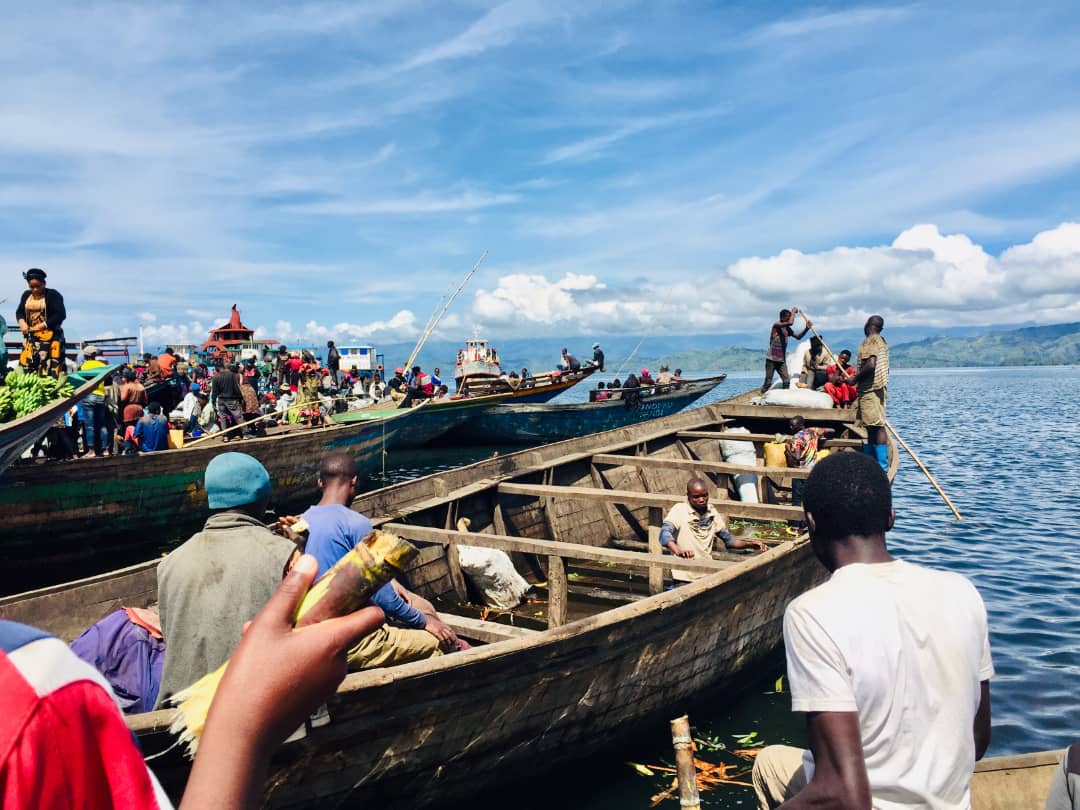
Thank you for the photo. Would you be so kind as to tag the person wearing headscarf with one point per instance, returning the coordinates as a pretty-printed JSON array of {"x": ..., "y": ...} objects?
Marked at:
[{"x": 41, "y": 315}]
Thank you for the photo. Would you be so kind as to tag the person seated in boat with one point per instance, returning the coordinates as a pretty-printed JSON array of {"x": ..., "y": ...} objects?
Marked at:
[
  {"x": 333, "y": 530},
  {"x": 214, "y": 583},
  {"x": 569, "y": 362},
  {"x": 420, "y": 387},
  {"x": 1064, "y": 793},
  {"x": 646, "y": 378},
  {"x": 597, "y": 358},
  {"x": 691, "y": 528},
  {"x": 396, "y": 385},
  {"x": 841, "y": 386},
  {"x": 513, "y": 380},
  {"x": 436, "y": 380},
  {"x": 813, "y": 374},
  {"x": 377, "y": 389},
  {"x": 801, "y": 451},
  {"x": 442, "y": 392},
  {"x": 167, "y": 363},
  {"x": 152, "y": 431},
  {"x": 664, "y": 377},
  {"x": 41, "y": 314},
  {"x": 187, "y": 409},
  {"x": 600, "y": 394},
  {"x": 890, "y": 661}
]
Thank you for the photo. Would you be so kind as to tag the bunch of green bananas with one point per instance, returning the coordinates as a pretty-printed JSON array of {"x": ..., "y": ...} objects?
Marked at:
[{"x": 25, "y": 393}]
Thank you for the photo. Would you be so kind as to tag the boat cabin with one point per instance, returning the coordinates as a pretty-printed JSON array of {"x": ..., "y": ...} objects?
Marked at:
[{"x": 476, "y": 360}]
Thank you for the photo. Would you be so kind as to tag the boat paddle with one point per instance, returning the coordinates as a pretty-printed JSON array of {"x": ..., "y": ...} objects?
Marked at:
[{"x": 892, "y": 430}]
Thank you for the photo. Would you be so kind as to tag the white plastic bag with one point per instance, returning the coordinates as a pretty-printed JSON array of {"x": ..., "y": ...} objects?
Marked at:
[{"x": 494, "y": 575}]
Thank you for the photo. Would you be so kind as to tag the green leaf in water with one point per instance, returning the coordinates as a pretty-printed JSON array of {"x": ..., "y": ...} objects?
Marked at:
[
  {"x": 780, "y": 685},
  {"x": 642, "y": 769}
]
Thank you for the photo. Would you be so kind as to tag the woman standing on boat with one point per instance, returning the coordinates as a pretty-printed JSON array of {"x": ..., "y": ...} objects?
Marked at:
[{"x": 41, "y": 317}]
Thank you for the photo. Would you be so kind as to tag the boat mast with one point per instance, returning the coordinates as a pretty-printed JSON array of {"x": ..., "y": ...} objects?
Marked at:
[{"x": 437, "y": 316}]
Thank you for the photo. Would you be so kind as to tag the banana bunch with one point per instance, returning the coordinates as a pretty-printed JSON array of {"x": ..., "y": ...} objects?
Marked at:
[{"x": 25, "y": 393}]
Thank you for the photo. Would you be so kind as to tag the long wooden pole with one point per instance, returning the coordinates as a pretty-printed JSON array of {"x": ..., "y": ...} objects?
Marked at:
[
  {"x": 892, "y": 430},
  {"x": 684, "y": 763},
  {"x": 922, "y": 467}
]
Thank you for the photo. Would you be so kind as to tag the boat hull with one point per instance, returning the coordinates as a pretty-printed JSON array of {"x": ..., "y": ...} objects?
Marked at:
[
  {"x": 65, "y": 512},
  {"x": 514, "y": 423}
]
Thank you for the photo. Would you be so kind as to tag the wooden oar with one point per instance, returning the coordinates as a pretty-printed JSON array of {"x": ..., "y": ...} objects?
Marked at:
[
  {"x": 892, "y": 430},
  {"x": 922, "y": 467}
]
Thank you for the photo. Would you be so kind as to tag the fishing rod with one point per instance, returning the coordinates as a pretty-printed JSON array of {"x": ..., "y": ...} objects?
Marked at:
[{"x": 436, "y": 318}]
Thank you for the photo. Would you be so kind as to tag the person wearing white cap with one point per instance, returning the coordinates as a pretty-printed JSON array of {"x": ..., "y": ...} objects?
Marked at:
[{"x": 598, "y": 357}]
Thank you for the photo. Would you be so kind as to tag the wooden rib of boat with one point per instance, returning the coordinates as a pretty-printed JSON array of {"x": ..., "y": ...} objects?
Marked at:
[
  {"x": 442, "y": 416},
  {"x": 65, "y": 511},
  {"x": 517, "y": 423},
  {"x": 1018, "y": 782},
  {"x": 599, "y": 661},
  {"x": 19, "y": 435}
]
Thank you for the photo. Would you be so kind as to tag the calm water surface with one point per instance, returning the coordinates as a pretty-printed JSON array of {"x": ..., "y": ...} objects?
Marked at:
[{"x": 998, "y": 441}]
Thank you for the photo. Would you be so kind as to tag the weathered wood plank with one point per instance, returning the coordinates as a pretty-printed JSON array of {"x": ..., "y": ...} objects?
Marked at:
[
  {"x": 757, "y": 438},
  {"x": 487, "y": 632},
  {"x": 556, "y": 591},
  {"x": 572, "y": 551},
  {"x": 735, "y": 509},
  {"x": 695, "y": 465}
]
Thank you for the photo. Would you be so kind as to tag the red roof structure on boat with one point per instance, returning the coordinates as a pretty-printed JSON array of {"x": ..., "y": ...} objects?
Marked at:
[{"x": 231, "y": 336}]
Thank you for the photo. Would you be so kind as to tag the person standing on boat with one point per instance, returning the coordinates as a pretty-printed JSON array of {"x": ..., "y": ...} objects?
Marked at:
[
  {"x": 871, "y": 383},
  {"x": 598, "y": 357},
  {"x": 890, "y": 662},
  {"x": 333, "y": 531},
  {"x": 228, "y": 398},
  {"x": 214, "y": 583},
  {"x": 41, "y": 316},
  {"x": 776, "y": 357},
  {"x": 333, "y": 361},
  {"x": 691, "y": 528},
  {"x": 95, "y": 411},
  {"x": 436, "y": 380}
]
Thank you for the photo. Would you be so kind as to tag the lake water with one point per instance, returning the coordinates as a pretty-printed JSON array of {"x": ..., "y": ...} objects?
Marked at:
[{"x": 997, "y": 440}]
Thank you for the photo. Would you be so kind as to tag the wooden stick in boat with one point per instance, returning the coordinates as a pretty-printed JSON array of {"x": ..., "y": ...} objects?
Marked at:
[
  {"x": 922, "y": 467},
  {"x": 892, "y": 430},
  {"x": 684, "y": 762}
]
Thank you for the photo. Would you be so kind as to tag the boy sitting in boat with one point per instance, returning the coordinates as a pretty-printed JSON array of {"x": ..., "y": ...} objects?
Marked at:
[
  {"x": 333, "y": 529},
  {"x": 691, "y": 528},
  {"x": 890, "y": 661}
]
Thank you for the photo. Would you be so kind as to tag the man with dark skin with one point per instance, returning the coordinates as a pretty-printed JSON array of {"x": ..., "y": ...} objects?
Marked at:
[
  {"x": 841, "y": 378},
  {"x": 872, "y": 380},
  {"x": 776, "y": 357},
  {"x": 890, "y": 662},
  {"x": 690, "y": 529}
]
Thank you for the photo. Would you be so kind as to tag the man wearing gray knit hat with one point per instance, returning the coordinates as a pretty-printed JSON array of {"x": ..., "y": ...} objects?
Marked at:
[{"x": 213, "y": 584}]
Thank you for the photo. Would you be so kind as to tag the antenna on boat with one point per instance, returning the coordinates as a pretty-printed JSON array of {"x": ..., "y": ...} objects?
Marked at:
[{"x": 437, "y": 316}]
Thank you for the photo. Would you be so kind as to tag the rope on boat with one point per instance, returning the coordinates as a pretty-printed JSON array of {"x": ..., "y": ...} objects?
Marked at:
[{"x": 437, "y": 316}]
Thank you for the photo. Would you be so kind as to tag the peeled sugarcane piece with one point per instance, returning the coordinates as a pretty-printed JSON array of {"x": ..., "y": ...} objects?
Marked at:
[{"x": 346, "y": 587}]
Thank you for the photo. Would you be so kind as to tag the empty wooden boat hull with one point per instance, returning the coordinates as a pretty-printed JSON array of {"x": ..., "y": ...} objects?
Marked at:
[
  {"x": 452, "y": 728},
  {"x": 514, "y": 423},
  {"x": 1018, "y": 782},
  {"x": 75, "y": 510},
  {"x": 19, "y": 435}
]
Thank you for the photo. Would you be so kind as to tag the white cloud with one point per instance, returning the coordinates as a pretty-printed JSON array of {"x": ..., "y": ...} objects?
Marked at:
[
  {"x": 532, "y": 298},
  {"x": 147, "y": 317}
]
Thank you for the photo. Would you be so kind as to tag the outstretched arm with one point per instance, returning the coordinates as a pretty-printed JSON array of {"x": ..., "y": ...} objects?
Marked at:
[
  {"x": 277, "y": 676},
  {"x": 840, "y": 780}
]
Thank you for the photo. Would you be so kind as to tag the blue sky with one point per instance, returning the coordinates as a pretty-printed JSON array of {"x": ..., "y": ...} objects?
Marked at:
[{"x": 672, "y": 167}]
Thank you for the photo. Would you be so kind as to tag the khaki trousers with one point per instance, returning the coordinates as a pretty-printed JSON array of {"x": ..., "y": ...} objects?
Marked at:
[
  {"x": 390, "y": 646},
  {"x": 778, "y": 775}
]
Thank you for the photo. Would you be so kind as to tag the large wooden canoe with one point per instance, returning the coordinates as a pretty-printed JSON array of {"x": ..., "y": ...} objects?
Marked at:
[
  {"x": 66, "y": 511},
  {"x": 443, "y": 416},
  {"x": 515, "y": 423},
  {"x": 600, "y": 660},
  {"x": 19, "y": 435},
  {"x": 1018, "y": 782}
]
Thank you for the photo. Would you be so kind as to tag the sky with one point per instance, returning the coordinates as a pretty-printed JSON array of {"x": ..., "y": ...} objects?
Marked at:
[{"x": 335, "y": 169}]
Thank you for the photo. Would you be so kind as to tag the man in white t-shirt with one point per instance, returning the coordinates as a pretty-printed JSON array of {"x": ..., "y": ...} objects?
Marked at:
[{"x": 890, "y": 661}]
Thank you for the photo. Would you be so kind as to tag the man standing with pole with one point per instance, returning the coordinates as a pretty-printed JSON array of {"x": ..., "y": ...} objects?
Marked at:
[{"x": 871, "y": 382}]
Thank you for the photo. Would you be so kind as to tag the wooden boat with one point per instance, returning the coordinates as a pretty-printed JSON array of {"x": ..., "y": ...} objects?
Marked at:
[
  {"x": 1018, "y": 782},
  {"x": 521, "y": 423},
  {"x": 535, "y": 692},
  {"x": 19, "y": 435},
  {"x": 66, "y": 511},
  {"x": 443, "y": 416}
]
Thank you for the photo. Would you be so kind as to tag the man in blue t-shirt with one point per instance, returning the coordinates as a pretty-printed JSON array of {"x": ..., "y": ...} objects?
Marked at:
[
  {"x": 152, "y": 431},
  {"x": 333, "y": 530}
]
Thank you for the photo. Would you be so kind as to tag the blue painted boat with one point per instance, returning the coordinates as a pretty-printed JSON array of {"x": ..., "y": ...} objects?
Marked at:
[
  {"x": 517, "y": 423},
  {"x": 442, "y": 416}
]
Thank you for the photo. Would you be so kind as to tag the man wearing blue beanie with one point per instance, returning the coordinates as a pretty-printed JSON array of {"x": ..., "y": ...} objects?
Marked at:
[{"x": 213, "y": 584}]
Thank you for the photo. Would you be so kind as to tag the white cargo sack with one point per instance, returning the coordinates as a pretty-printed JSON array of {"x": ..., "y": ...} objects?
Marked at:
[
  {"x": 494, "y": 575},
  {"x": 798, "y": 398},
  {"x": 739, "y": 452}
]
